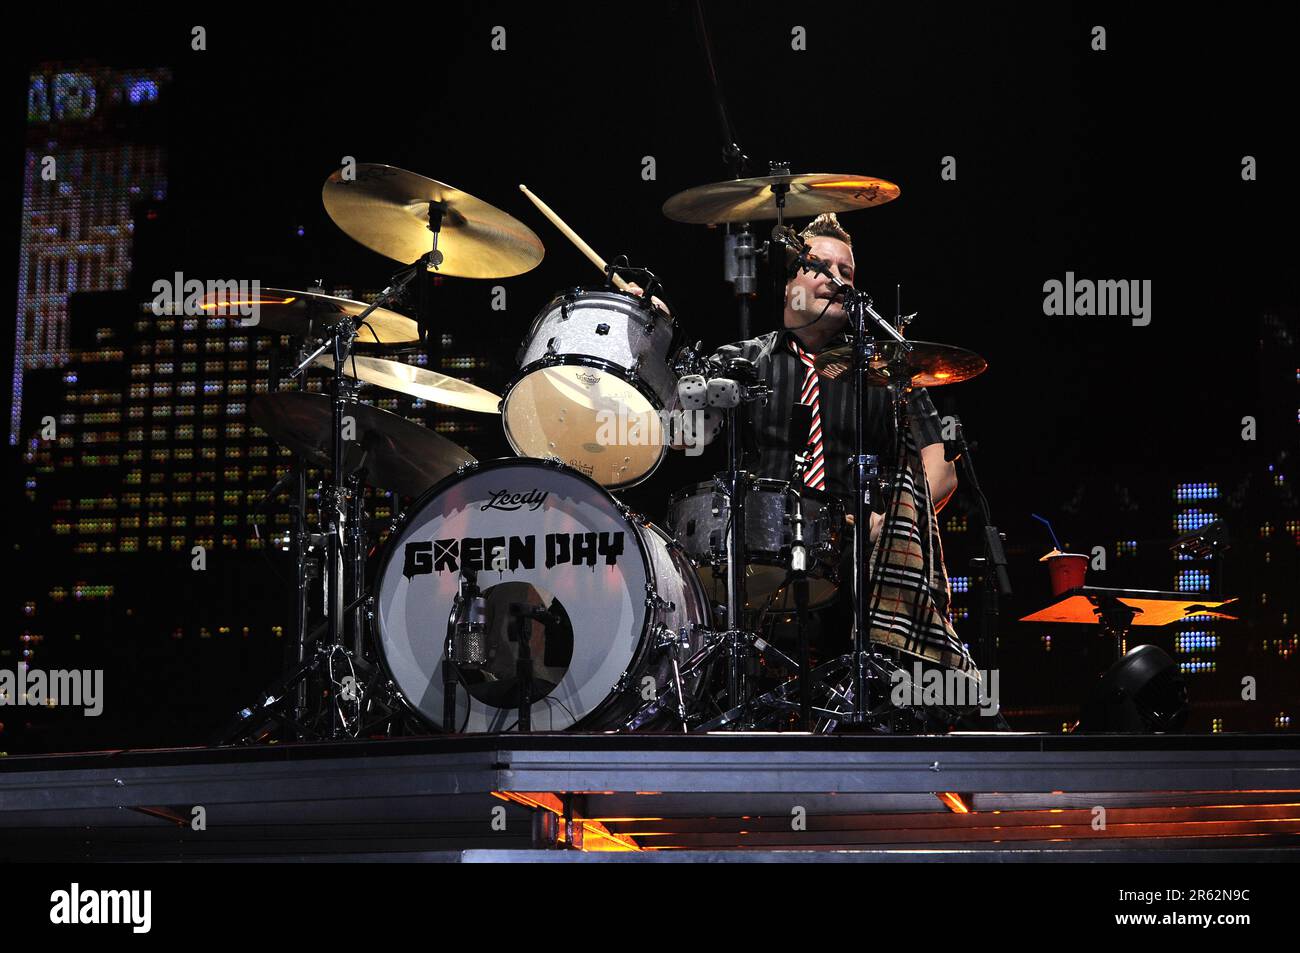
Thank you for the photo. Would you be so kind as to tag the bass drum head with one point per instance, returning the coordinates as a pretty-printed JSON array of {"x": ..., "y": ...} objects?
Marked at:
[{"x": 538, "y": 534}]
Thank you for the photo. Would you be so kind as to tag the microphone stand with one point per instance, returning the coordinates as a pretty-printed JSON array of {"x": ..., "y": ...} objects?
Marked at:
[
  {"x": 799, "y": 579},
  {"x": 858, "y": 306},
  {"x": 995, "y": 581}
]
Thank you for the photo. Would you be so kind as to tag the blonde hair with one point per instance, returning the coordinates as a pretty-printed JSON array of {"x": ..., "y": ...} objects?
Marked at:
[{"x": 826, "y": 225}]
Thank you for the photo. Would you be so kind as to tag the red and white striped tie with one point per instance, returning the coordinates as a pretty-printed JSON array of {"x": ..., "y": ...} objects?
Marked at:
[{"x": 815, "y": 475}]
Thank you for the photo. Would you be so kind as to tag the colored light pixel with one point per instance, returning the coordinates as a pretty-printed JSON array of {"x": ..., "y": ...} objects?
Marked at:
[
  {"x": 1193, "y": 519},
  {"x": 1187, "y": 492}
]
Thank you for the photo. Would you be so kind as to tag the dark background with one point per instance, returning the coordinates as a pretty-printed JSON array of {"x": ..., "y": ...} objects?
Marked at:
[{"x": 1121, "y": 164}]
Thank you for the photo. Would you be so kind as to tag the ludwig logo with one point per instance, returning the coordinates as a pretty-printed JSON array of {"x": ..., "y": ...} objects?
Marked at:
[{"x": 505, "y": 500}]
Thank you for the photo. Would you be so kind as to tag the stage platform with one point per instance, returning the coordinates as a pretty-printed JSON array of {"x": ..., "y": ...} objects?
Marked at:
[{"x": 667, "y": 798}]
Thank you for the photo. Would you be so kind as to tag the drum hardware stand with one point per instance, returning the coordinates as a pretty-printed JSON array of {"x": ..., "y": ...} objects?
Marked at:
[
  {"x": 671, "y": 641},
  {"x": 775, "y": 252},
  {"x": 341, "y": 508},
  {"x": 777, "y": 701},
  {"x": 798, "y": 576},
  {"x": 736, "y": 482},
  {"x": 995, "y": 581},
  {"x": 290, "y": 685},
  {"x": 520, "y": 614},
  {"x": 739, "y": 252},
  {"x": 858, "y": 306}
]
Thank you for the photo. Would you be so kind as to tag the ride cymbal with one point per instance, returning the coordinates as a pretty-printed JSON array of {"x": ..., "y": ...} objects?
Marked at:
[{"x": 387, "y": 210}]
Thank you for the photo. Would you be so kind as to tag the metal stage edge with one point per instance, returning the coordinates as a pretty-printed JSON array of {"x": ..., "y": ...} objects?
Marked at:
[{"x": 667, "y": 798}]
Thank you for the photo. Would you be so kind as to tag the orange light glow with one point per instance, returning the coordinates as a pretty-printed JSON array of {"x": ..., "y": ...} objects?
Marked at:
[
  {"x": 845, "y": 184},
  {"x": 232, "y": 303},
  {"x": 953, "y": 802}
]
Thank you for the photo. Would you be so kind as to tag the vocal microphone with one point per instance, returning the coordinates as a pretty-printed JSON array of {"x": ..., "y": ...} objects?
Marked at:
[{"x": 469, "y": 638}]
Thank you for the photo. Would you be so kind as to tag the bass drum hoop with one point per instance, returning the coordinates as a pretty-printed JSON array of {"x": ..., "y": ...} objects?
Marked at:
[{"x": 417, "y": 506}]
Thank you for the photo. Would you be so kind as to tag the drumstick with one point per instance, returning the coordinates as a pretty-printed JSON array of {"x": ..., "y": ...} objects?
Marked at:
[{"x": 572, "y": 236}]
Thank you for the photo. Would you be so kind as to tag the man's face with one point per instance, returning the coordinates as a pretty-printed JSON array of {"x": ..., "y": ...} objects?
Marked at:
[{"x": 808, "y": 293}]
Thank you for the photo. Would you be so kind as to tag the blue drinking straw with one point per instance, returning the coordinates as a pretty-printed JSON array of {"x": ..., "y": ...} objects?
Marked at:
[{"x": 1048, "y": 524}]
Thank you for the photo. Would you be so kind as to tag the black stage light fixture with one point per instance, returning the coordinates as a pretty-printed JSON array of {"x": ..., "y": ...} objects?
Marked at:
[{"x": 1144, "y": 692}]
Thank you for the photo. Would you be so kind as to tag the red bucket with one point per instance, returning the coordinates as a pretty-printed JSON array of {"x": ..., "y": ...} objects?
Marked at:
[{"x": 1067, "y": 570}]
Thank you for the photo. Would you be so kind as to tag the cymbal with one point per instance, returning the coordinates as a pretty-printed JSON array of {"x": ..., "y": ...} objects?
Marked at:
[
  {"x": 931, "y": 365},
  {"x": 393, "y": 452},
  {"x": 418, "y": 382},
  {"x": 299, "y": 313},
  {"x": 387, "y": 210},
  {"x": 750, "y": 200}
]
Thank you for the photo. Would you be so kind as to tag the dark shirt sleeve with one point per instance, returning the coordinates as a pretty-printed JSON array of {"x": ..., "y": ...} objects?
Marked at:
[{"x": 926, "y": 425}]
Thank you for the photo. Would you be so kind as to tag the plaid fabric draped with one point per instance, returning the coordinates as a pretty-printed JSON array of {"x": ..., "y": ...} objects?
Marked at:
[{"x": 909, "y": 599}]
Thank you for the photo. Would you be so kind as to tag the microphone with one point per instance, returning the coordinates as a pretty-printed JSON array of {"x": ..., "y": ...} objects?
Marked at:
[
  {"x": 469, "y": 638},
  {"x": 801, "y": 416},
  {"x": 953, "y": 449}
]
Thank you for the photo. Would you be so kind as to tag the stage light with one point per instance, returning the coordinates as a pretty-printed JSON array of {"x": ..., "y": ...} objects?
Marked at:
[{"x": 1142, "y": 692}]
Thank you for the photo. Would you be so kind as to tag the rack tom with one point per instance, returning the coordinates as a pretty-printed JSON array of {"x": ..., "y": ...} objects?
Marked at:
[{"x": 593, "y": 380}]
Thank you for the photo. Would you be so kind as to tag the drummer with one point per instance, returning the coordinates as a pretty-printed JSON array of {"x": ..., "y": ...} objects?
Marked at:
[{"x": 815, "y": 320}]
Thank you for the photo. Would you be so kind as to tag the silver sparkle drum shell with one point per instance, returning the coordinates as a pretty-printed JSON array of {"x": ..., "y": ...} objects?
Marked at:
[
  {"x": 615, "y": 604},
  {"x": 593, "y": 381},
  {"x": 699, "y": 517}
]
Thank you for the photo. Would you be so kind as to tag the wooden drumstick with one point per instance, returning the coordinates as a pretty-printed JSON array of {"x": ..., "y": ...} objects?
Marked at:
[{"x": 573, "y": 236}]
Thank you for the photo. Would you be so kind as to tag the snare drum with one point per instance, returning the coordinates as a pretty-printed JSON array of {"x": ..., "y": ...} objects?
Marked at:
[
  {"x": 593, "y": 378},
  {"x": 698, "y": 518},
  {"x": 618, "y": 591}
]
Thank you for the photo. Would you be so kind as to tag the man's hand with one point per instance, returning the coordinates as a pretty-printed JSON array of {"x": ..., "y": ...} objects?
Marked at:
[
  {"x": 637, "y": 290},
  {"x": 876, "y": 523}
]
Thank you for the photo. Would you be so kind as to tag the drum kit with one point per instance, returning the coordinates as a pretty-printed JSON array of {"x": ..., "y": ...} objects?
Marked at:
[{"x": 521, "y": 593}]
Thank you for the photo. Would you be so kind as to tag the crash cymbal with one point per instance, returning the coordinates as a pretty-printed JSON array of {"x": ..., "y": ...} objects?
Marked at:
[
  {"x": 393, "y": 452},
  {"x": 418, "y": 382},
  {"x": 931, "y": 365},
  {"x": 387, "y": 210},
  {"x": 751, "y": 200},
  {"x": 304, "y": 313}
]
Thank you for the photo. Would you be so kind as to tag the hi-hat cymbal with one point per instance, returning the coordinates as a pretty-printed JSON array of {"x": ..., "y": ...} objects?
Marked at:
[
  {"x": 393, "y": 452},
  {"x": 302, "y": 313},
  {"x": 387, "y": 210},
  {"x": 752, "y": 200},
  {"x": 930, "y": 365},
  {"x": 418, "y": 382}
]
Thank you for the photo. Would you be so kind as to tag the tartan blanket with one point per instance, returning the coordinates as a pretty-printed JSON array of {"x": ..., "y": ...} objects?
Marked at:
[{"x": 909, "y": 601}]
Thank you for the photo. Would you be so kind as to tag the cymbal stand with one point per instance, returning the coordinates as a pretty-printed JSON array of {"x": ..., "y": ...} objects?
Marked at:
[
  {"x": 335, "y": 511},
  {"x": 735, "y": 483}
]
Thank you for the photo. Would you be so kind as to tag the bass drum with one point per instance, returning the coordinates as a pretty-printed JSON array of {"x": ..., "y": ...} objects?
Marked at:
[{"x": 539, "y": 533}]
